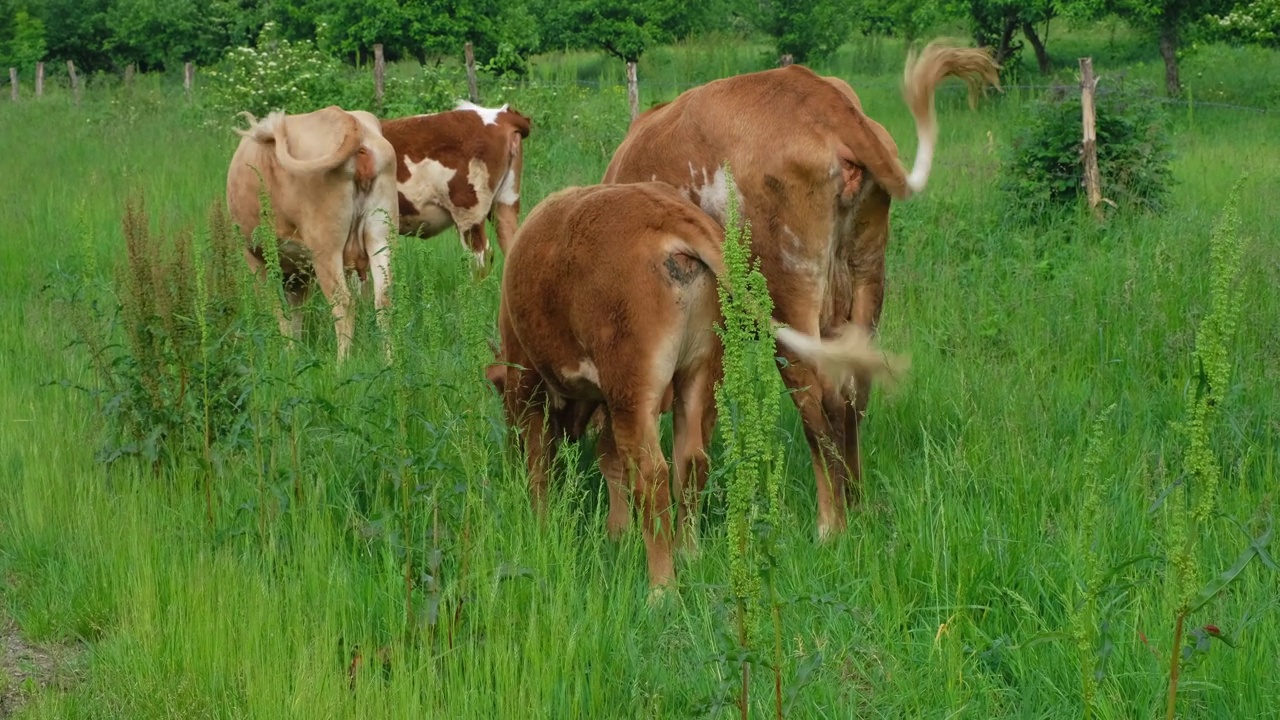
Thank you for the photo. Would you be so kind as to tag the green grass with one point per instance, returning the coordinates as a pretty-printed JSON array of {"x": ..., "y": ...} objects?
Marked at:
[{"x": 968, "y": 547}]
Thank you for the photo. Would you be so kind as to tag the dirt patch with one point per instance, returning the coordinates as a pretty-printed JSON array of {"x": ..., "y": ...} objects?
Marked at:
[{"x": 27, "y": 668}]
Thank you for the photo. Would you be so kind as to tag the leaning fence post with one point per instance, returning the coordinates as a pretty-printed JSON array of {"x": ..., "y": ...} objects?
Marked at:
[
  {"x": 75, "y": 81},
  {"x": 470, "y": 57},
  {"x": 633, "y": 89},
  {"x": 39, "y": 79},
  {"x": 188, "y": 78},
  {"x": 13, "y": 84},
  {"x": 1089, "y": 145},
  {"x": 379, "y": 76}
]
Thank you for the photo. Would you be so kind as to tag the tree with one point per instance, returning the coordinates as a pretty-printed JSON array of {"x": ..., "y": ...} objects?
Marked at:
[
  {"x": 806, "y": 29},
  {"x": 154, "y": 34},
  {"x": 996, "y": 22},
  {"x": 25, "y": 44},
  {"x": 907, "y": 19},
  {"x": 1167, "y": 19},
  {"x": 621, "y": 28}
]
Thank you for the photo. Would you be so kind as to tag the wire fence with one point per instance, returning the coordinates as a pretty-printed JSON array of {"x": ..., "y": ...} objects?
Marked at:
[{"x": 69, "y": 81}]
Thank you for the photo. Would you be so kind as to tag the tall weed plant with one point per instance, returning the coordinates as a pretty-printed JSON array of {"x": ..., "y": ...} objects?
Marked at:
[
  {"x": 749, "y": 402},
  {"x": 165, "y": 338}
]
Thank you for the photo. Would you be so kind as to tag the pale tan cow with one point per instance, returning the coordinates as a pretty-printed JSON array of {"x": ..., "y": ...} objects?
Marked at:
[
  {"x": 330, "y": 177},
  {"x": 609, "y": 300},
  {"x": 799, "y": 145}
]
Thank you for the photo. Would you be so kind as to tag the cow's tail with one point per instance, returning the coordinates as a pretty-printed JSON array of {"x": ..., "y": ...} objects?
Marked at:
[
  {"x": 921, "y": 76},
  {"x": 272, "y": 129},
  {"x": 852, "y": 353},
  {"x": 920, "y": 79}
]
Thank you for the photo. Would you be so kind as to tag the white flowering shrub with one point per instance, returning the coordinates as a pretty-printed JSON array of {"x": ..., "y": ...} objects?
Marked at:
[
  {"x": 274, "y": 75},
  {"x": 1256, "y": 22}
]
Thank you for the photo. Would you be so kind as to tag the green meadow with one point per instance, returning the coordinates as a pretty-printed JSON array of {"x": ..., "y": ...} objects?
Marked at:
[{"x": 357, "y": 541}]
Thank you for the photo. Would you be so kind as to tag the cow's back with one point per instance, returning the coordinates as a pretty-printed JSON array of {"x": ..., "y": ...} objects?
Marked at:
[{"x": 587, "y": 282}]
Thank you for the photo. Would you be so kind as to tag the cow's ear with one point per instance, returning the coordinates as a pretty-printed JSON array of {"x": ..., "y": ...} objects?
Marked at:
[{"x": 496, "y": 373}]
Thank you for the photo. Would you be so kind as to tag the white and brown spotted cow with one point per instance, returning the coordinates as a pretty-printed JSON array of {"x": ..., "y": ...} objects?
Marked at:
[
  {"x": 460, "y": 168},
  {"x": 801, "y": 149},
  {"x": 609, "y": 300},
  {"x": 330, "y": 177}
]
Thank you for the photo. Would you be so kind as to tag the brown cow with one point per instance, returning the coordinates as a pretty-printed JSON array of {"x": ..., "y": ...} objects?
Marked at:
[
  {"x": 798, "y": 145},
  {"x": 609, "y": 298},
  {"x": 458, "y": 168},
  {"x": 330, "y": 177}
]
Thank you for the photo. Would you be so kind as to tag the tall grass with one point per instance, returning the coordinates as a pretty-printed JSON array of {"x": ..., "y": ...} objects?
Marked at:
[{"x": 294, "y": 602}]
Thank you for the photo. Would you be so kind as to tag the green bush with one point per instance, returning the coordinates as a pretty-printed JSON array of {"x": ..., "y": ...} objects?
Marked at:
[
  {"x": 1043, "y": 168},
  {"x": 1255, "y": 22},
  {"x": 275, "y": 74}
]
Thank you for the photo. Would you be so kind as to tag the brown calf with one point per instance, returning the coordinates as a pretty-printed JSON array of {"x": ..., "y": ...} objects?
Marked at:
[
  {"x": 799, "y": 145},
  {"x": 609, "y": 300},
  {"x": 459, "y": 168},
  {"x": 330, "y": 176}
]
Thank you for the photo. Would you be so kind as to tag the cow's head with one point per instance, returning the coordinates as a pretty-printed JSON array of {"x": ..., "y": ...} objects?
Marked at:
[{"x": 476, "y": 242}]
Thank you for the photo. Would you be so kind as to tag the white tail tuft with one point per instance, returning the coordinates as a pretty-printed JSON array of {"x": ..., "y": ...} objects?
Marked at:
[{"x": 850, "y": 354}]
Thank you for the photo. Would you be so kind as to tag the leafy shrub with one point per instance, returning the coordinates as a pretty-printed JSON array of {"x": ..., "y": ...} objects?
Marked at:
[
  {"x": 1043, "y": 168},
  {"x": 1256, "y": 22},
  {"x": 434, "y": 88},
  {"x": 275, "y": 74}
]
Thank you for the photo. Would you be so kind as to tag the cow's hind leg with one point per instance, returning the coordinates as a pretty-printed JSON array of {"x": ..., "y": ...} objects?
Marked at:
[
  {"x": 693, "y": 415},
  {"x": 615, "y": 478},
  {"x": 333, "y": 283},
  {"x": 376, "y": 231},
  {"x": 826, "y": 438},
  {"x": 635, "y": 430},
  {"x": 526, "y": 400},
  {"x": 866, "y": 270},
  {"x": 290, "y": 323}
]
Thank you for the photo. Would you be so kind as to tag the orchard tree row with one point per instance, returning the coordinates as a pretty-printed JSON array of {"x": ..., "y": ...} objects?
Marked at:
[{"x": 159, "y": 34}]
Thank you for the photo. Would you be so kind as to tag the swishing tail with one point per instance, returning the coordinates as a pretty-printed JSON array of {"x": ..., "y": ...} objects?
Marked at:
[
  {"x": 866, "y": 143},
  {"x": 920, "y": 79},
  {"x": 851, "y": 354}
]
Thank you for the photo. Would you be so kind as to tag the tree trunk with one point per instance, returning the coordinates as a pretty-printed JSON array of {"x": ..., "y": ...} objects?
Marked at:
[
  {"x": 1042, "y": 55},
  {"x": 1169, "y": 51},
  {"x": 1006, "y": 38}
]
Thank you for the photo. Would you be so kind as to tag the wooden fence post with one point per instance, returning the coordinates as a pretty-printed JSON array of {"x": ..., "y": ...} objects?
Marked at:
[
  {"x": 785, "y": 60},
  {"x": 1089, "y": 146},
  {"x": 75, "y": 81},
  {"x": 39, "y": 79},
  {"x": 379, "y": 76},
  {"x": 633, "y": 90},
  {"x": 13, "y": 84},
  {"x": 128, "y": 75},
  {"x": 470, "y": 56},
  {"x": 188, "y": 78}
]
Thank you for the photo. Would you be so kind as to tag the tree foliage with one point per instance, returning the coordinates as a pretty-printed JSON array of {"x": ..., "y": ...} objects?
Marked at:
[
  {"x": 620, "y": 28},
  {"x": 161, "y": 34},
  {"x": 806, "y": 29}
]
